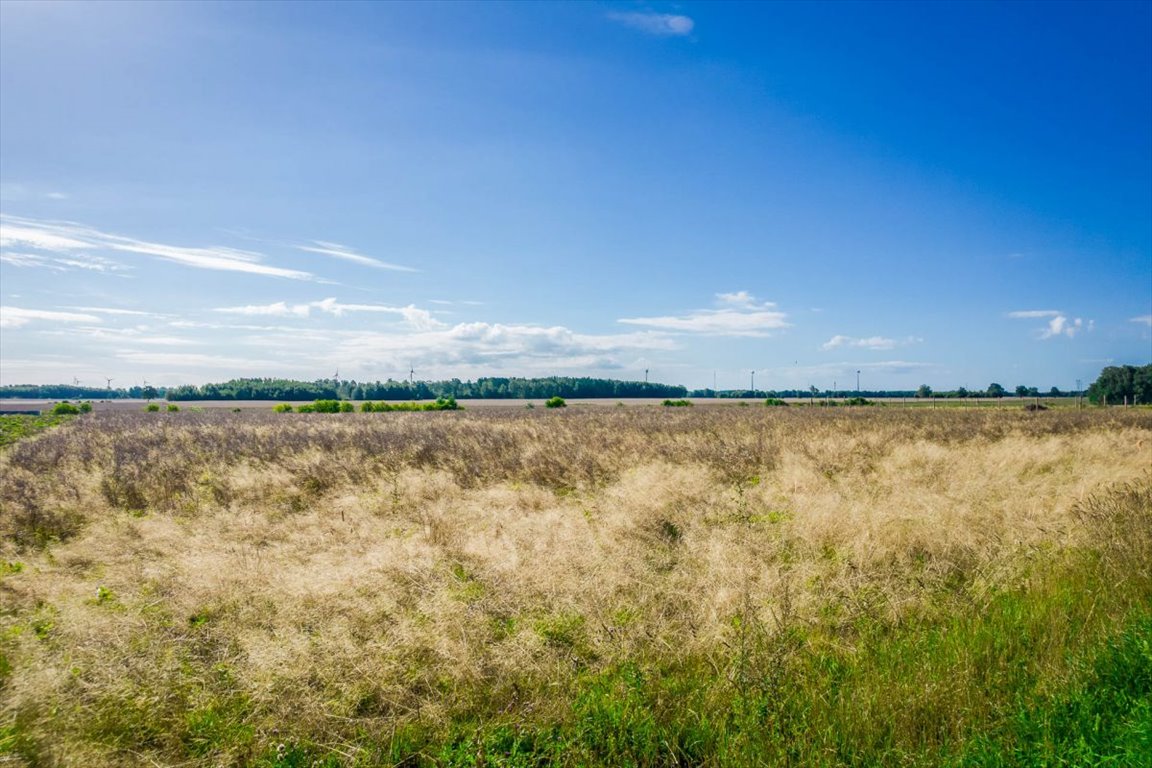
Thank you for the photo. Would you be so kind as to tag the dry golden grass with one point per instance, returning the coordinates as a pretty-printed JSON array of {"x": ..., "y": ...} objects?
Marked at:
[{"x": 339, "y": 575}]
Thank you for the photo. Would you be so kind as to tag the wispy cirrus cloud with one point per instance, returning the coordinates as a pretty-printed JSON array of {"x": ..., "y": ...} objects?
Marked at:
[
  {"x": 338, "y": 251},
  {"x": 1031, "y": 314},
  {"x": 740, "y": 314},
  {"x": 1142, "y": 320},
  {"x": 76, "y": 241},
  {"x": 114, "y": 311},
  {"x": 879, "y": 343},
  {"x": 415, "y": 317},
  {"x": 658, "y": 24},
  {"x": 15, "y": 317},
  {"x": 84, "y": 261},
  {"x": 1059, "y": 323}
]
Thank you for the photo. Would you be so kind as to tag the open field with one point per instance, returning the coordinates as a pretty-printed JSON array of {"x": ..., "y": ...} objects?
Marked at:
[
  {"x": 43, "y": 404},
  {"x": 588, "y": 586}
]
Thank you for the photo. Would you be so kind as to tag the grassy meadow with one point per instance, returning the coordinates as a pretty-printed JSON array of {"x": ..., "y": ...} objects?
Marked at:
[{"x": 708, "y": 586}]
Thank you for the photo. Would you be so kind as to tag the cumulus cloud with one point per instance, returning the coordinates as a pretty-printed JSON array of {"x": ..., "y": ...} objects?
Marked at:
[
  {"x": 1059, "y": 323},
  {"x": 338, "y": 251},
  {"x": 871, "y": 342},
  {"x": 658, "y": 24},
  {"x": 15, "y": 317},
  {"x": 74, "y": 240},
  {"x": 740, "y": 314}
]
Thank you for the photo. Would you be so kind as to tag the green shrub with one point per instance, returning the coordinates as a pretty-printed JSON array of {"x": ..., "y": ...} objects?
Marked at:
[
  {"x": 86, "y": 407},
  {"x": 676, "y": 403},
  {"x": 555, "y": 402},
  {"x": 173, "y": 408},
  {"x": 282, "y": 408},
  {"x": 440, "y": 404},
  {"x": 65, "y": 409},
  {"x": 346, "y": 407},
  {"x": 858, "y": 401},
  {"x": 306, "y": 409},
  {"x": 773, "y": 401},
  {"x": 326, "y": 406},
  {"x": 152, "y": 408}
]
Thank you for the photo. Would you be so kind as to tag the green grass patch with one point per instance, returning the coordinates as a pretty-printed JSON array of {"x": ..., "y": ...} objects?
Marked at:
[{"x": 15, "y": 427}]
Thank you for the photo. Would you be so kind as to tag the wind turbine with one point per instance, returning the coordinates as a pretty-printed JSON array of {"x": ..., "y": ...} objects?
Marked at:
[
  {"x": 411, "y": 374},
  {"x": 109, "y": 380}
]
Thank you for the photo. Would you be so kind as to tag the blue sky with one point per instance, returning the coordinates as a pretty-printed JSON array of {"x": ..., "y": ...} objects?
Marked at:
[{"x": 950, "y": 194}]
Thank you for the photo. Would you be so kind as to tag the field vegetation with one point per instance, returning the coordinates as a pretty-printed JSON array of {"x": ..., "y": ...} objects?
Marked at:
[{"x": 708, "y": 586}]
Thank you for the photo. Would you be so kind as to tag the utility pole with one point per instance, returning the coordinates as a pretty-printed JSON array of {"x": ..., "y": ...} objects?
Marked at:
[
  {"x": 857, "y": 383},
  {"x": 645, "y": 375},
  {"x": 753, "y": 383}
]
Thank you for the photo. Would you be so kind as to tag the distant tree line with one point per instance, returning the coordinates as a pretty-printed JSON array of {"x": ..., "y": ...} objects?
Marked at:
[
  {"x": 1119, "y": 384},
  {"x": 487, "y": 388},
  {"x": 74, "y": 392},
  {"x": 1116, "y": 385}
]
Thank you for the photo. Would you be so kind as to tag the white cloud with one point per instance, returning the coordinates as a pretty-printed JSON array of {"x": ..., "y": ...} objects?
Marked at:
[
  {"x": 56, "y": 196},
  {"x": 1142, "y": 320},
  {"x": 343, "y": 252},
  {"x": 112, "y": 311},
  {"x": 15, "y": 317},
  {"x": 278, "y": 309},
  {"x": 1063, "y": 326},
  {"x": 61, "y": 264},
  {"x": 659, "y": 24},
  {"x": 1035, "y": 313},
  {"x": 1059, "y": 324},
  {"x": 418, "y": 319},
  {"x": 743, "y": 316},
  {"x": 69, "y": 238},
  {"x": 871, "y": 342},
  {"x": 738, "y": 299}
]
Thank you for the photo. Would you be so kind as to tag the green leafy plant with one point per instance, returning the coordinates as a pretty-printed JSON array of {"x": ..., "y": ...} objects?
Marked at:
[
  {"x": 282, "y": 408},
  {"x": 677, "y": 403},
  {"x": 152, "y": 408},
  {"x": 173, "y": 408},
  {"x": 555, "y": 402},
  {"x": 774, "y": 401},
  {"x": 65, "y": 409}
]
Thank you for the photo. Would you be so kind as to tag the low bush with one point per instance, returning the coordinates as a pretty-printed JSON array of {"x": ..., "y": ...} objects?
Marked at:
[
  {"x": 772, "y": 401},
  {"x": 152, "y": 408},
  {"x": 440, "y": 404},
  {"x": 282, "y": 408},
  {"x": 173, "y": 408},
  {"x": 555, "y": 402},
  {"x": 858, "y": 401},
  {"x": 65, "y": 409},
  {"x": 676, "y": 403}
]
